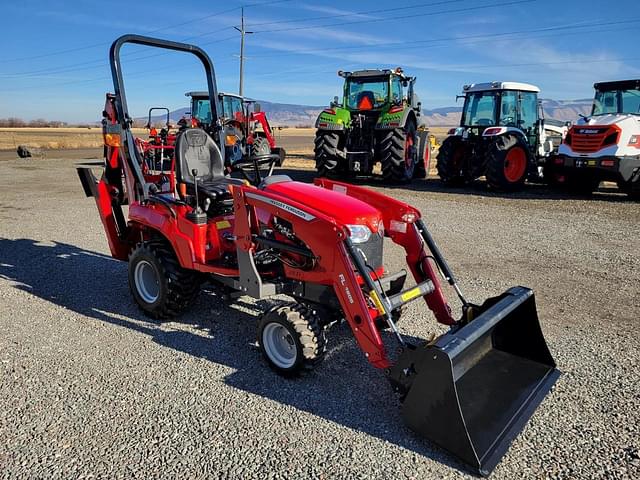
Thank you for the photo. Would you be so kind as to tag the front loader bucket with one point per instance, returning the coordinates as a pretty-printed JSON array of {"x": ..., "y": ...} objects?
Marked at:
[{"x": 473, "y": 390}]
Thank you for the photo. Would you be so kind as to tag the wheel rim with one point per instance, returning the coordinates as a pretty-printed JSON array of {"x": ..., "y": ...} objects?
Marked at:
[
  {"x": 408, "y": 151},
  {"x": 147, "y": 281},
  {"x": 279, "y": 345},
  {"x": 427, "y": 157},
  {"x": 515, "y": 164}
]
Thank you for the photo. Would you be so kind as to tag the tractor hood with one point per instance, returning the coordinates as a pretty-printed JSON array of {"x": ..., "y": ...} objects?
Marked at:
[
  {"x": 612, "y": 118},
  {"x": 346, "y": 210}
]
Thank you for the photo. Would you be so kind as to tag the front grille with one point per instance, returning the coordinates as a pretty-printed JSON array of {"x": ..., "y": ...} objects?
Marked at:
[
  {"x": 592, "y": 139},
  {"x": 372, "y": 250}
]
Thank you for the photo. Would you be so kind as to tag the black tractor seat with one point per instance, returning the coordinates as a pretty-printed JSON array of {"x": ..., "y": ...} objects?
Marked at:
[{"x": 196, "y": 150}]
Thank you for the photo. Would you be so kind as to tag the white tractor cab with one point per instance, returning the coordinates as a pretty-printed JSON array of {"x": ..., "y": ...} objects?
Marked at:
[
  {"x": 606, "y": 144},
  {"x": 502, "y": 135}
]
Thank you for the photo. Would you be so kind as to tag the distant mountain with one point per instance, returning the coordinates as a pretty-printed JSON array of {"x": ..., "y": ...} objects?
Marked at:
[{"x": 291, "y": 115}]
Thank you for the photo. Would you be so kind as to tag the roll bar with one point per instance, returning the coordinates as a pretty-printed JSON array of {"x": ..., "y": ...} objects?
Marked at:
[
  {"x": 124, "y": 121},
  {"x": 118, "y": 83}
]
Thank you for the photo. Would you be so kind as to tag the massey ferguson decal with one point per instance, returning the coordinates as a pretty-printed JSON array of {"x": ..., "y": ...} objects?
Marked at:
[{"x": 289, "y": 208}]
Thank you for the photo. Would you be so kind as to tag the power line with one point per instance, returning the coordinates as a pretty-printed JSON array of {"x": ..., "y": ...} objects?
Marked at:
[
  {"x": 402, "y": 17},
  {"x": 488, "y": 36},
  {"x": 563, "y": 28},
  {"x": 419, "y": 43},
  {"x": 103, "y": 44},
  {"x": 93, "y": 62},
  {"x": 355, "y": 14}
]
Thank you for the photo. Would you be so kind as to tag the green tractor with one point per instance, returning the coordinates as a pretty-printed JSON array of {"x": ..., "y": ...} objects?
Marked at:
[{"x": 379, "y": 120}]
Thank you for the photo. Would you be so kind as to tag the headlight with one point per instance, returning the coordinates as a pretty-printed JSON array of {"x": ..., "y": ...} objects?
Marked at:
[{"x": 359, "y": 233}]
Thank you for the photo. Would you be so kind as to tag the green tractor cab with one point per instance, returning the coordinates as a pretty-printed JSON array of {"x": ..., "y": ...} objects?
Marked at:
[{"x": 378, "y": 120}]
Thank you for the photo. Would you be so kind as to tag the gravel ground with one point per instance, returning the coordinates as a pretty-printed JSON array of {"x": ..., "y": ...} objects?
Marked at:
[{"x": 90, "y": 388}]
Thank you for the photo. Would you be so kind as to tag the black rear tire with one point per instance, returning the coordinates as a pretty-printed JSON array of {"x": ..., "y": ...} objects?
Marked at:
[
  {"x": 450, "y": 161},
  {"x": 398, "y": 154},
  {"x": 327, "y": 146},
  {"x": 508, "y": 160},
  {"x": 175, "y": 287},
  {"x": 291, "y": 338}
]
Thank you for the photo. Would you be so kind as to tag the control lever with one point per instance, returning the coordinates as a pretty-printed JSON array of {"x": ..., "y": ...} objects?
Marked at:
[
  {"x": 196, "y": 216},
  {"x": 194, "y": 172}
]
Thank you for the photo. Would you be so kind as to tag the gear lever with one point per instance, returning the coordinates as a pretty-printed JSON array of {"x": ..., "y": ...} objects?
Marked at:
[{"x": 196, "y": 216}]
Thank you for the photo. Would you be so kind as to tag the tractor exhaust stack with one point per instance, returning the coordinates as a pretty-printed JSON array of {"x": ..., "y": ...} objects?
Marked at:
[{"x": 472, "y": 390}]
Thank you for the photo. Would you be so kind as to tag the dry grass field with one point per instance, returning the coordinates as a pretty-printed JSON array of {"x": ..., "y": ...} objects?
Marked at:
[{"x": 72, "y": 138}]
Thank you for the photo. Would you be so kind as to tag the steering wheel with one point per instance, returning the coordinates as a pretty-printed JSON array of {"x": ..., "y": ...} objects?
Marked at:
[{"x": 250, "y": 167}]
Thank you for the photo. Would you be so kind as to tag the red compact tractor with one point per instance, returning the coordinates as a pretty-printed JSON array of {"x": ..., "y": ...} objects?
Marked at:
[
  {"x": 247, "y": 132},
  {"x": 157, "y": 150},
  {"x": 471, "y": 390}
]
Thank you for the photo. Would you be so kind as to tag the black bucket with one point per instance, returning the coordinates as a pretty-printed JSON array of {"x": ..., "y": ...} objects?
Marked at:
[{"x": 473, "y": 390}]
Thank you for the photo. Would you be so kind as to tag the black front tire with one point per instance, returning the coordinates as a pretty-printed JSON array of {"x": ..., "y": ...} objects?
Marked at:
[
  {"x": 398, "y": 154},
  {"x": 450, "y": 161},
  {"x": 506, "y": 151},
  {"x": 301, "y": 335},
  {"x": 170, "y": 289},
  {"x": 326, "y": 147}
]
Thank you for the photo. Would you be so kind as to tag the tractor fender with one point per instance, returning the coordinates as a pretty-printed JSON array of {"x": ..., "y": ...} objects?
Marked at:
[
  {"x": 399, "y": 119},
  {"x": 498, "y": 131},
  {"x": 336, "y": 119},
  {"x": 185, "y": 238}
]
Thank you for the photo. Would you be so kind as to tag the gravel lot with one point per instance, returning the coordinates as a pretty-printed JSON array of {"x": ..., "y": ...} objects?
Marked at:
[{"x": 90, "y": 388}]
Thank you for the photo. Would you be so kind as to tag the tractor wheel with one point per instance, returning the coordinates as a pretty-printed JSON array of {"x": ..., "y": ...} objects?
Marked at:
[
  {"x": 450, "y": 161},
  {"x": 291, "y": 339},
  {"x": 507, "y": 163},
  {"x": 327, "y": 145},
  {"x": 424, "y": 156},
  {"x": 398, "y": 154},
  {"x": 160, "y": 286},
  {"x": 260, "y": 146}
]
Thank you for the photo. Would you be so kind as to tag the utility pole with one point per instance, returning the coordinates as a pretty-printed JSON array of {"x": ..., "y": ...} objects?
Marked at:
[{"x": 243, "y": 32}]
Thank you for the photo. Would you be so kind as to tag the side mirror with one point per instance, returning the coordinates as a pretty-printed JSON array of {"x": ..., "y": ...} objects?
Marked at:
[
  {"x": 257, "y": 108},
  {"x": 335, "y": 102},
  {"x": 415, "y": 100}
]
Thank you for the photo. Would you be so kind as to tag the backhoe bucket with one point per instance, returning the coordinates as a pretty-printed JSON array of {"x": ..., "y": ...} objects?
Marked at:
[{"x": 473, "y": 390}]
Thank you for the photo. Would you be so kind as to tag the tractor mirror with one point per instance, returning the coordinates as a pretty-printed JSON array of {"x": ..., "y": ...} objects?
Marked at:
[
  {"x": 257, "y": 108},
  {"x": 335, "y": 102},
  {"x": 415, "y": 100}
]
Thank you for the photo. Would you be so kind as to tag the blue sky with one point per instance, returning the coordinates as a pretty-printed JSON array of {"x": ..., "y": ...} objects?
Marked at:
[{"x": 54, "y": 64}]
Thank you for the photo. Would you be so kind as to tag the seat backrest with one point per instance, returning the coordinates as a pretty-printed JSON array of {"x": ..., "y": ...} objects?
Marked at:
[{"x": 196, "y": 149}]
